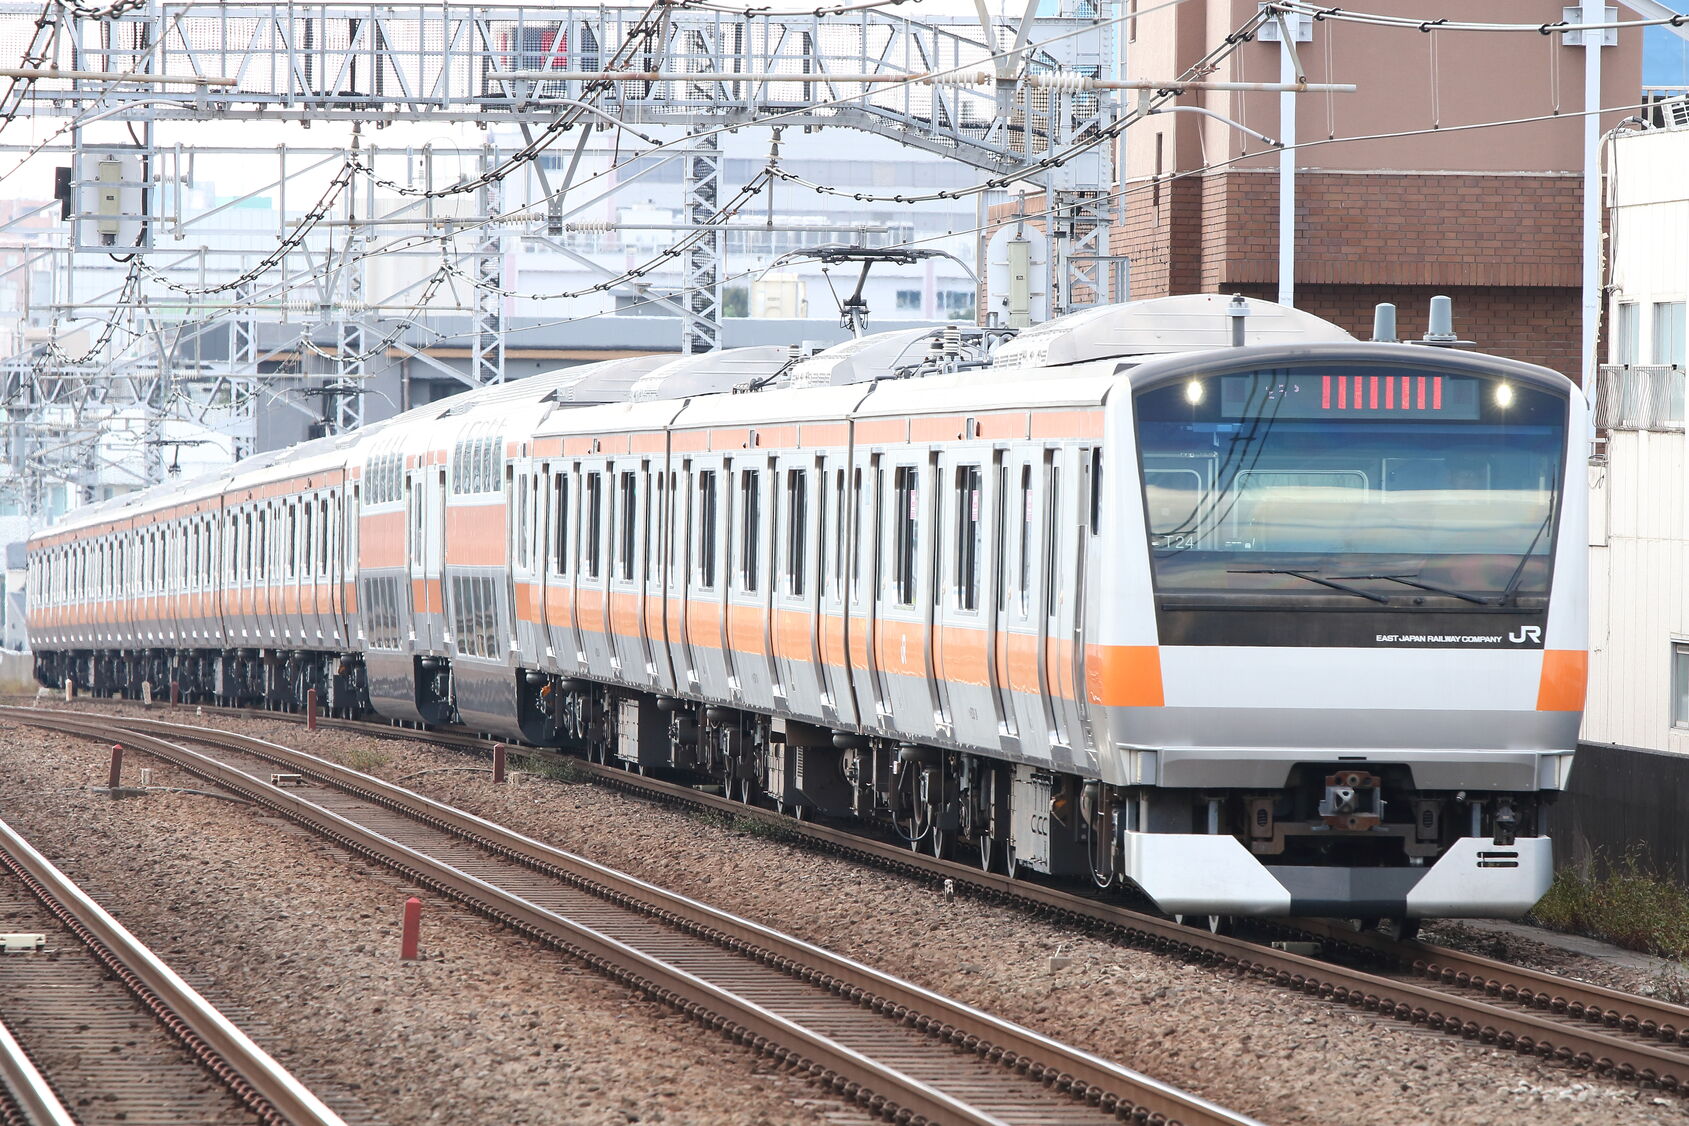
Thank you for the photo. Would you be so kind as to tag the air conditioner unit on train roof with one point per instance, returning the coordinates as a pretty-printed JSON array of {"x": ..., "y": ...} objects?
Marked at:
[{"x": 1182, "y": 323}]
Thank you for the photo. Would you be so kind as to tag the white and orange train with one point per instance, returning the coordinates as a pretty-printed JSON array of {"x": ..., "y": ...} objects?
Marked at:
[{"x": 1295, "y": 626}]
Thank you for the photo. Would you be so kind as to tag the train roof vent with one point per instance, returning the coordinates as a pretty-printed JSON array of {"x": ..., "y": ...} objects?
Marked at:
[
  {"x": 711, "y": 372},
  {"x": 862, "y": 359},
  {"x": 606, "y": 381},
  {"x": 1183, "y": 323}
]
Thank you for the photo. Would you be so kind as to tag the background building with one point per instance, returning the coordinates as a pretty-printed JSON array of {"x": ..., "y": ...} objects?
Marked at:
[{"x": 1490, "y": 216}]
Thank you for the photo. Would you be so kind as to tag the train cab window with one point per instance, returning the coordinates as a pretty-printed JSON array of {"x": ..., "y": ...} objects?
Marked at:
[
  {"x": 797, "y": 529},
  {"x": 906, "y": 501},
  {"x": 706, "y": 528},
  {"x": 629, "y": 526},
  {"x": 593, "y": 519},
  {"x": 750, "y": 526},
  {"x": 1423, "y": 486},
  {"x": 967, "y": 536}
]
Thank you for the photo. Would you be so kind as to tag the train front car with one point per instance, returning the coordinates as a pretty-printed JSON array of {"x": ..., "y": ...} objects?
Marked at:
[{"x": 1367, "y": 571}]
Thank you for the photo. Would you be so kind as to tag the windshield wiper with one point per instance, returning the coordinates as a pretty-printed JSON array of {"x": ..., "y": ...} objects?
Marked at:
[
  {"x": 1519, "y": 571},
  {"x": 1413, "y": 581},
  {"x": 1311, "y": 577}
]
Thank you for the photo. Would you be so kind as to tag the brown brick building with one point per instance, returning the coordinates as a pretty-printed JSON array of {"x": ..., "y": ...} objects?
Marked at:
[{"x": 1490, "y": 216}]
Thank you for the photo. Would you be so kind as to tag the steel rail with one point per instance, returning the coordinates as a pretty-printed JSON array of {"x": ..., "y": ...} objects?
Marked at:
[
  {"x": 267, "y": 1088},
  {"x": 1086, "y": 1077},
  {"x": 1649, "y": 1017},
  {"x": 1561, "y": 1035},
  {"x": 1439, "y": 1006},
  {"x": 27, "y": 1087}
]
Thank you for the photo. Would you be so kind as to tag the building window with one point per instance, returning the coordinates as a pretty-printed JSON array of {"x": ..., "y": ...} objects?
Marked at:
[
  {"x": 1680, "y": 685},
  {"x": 957, "y": 304},
  {"x": 1668, "y": 333},
  {"x": 908, "y": 300},
  {"x": 1627, "y": 331}
]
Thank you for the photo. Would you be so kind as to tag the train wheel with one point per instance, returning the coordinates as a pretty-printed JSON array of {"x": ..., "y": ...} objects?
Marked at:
[
  {"x": 987, "y": 851},
  {"x": 1011, "y": 863},
  {"x": 937, "y": 841}
]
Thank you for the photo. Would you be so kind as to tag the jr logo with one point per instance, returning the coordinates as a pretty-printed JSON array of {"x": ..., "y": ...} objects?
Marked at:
[{"x": 1526, "y": 633}]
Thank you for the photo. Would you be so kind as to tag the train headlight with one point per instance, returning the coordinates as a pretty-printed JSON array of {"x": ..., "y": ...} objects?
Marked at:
[
  {"x": 1503, "y": 395},
  {"x": 1194, "y": 391}
]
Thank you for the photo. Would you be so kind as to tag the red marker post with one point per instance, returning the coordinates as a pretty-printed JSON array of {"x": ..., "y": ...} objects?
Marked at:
[
  {"x": 116, "y": 766},
  {"x": 498, "y": 763},
  {"x": 175, "y": 693},
  {"x": 413, "y": 929}
]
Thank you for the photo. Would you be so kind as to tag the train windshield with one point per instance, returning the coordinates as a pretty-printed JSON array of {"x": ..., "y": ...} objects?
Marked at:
[{"x": 1402, "y": 486}]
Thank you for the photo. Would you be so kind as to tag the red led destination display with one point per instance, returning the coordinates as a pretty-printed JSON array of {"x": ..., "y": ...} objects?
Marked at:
[{"x": 1318, "y": 395}]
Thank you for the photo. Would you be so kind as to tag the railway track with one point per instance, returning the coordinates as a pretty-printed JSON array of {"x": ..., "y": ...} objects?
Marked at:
[
  {"x": 1625, "y": 1036},
  {"x": 73, "y": 1005},
  {"x": 898, "y": 1049}
]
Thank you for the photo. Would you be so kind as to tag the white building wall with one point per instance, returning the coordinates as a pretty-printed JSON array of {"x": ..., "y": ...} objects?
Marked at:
[
  {"x": 1638, "y": 607},
  {"x": 1639, "y": 534}
]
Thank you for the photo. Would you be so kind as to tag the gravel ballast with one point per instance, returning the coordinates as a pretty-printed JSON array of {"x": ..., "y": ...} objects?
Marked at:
[
  {"x": 271, "y": 900},
  {"x": 485, "y": 1027}
]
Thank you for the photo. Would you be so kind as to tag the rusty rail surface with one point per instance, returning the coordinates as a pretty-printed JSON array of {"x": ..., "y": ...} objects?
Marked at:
[
  {"x": 1096, "y": 1089},
  {"x": 262, "y": 1084}
]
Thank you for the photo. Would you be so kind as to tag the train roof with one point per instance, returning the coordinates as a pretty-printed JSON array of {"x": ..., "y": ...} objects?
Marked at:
[{"x": 1183, "y": 323}]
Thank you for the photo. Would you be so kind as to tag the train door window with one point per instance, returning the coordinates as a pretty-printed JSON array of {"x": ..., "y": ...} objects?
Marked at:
[
  {"x": 1052, "y": 523},
  {"x": 750, "y": 526},
  {"x": 706, "y": 528},
  {"x": 593, "y": 516},
  {"x": 967, "y": 536},
  {"x": 856, "y": 491},
  {"x": 1096, "y": 489},
  {"x": 326, "y": 534},
  {"x": 797, "y": 528},
  {"x": 1025, "y": 555},
  {"x": 659, "y": 508},
  {"x": 841, "y": 542},
  {"x": 1680, "y": 685},
  {"x": 560, "y": 528},
  {"x": 906, "y": 502},
  {"x": 628, "y": 527}
]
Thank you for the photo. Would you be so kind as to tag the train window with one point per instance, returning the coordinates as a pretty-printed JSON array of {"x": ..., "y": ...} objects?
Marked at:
[
  {"x": 629, "y": 512},
  {"x": 967, "y": 536},
  {"x": 840, "y": 541},
  {"x": 592, "y": 519},
  {"x": 750, "y": 526},
  {"x": 797, "y": 529},
  {"x": 659, "y": 509},
  {"x": 706, "y": 528},
  {"x": 1096, "y": 489},
  {"x": 519, "y": 549},
  {"x": 1025, "y": 555},
  {"x": 325, "y": 535},
  {"x": 560, "y": 523},
  {"x": 906, "y": 502},
  {"x": 1052, "y": 509}
]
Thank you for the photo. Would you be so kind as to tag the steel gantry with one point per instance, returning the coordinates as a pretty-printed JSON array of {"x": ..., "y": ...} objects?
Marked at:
[{"x": 987, "y": 96}]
